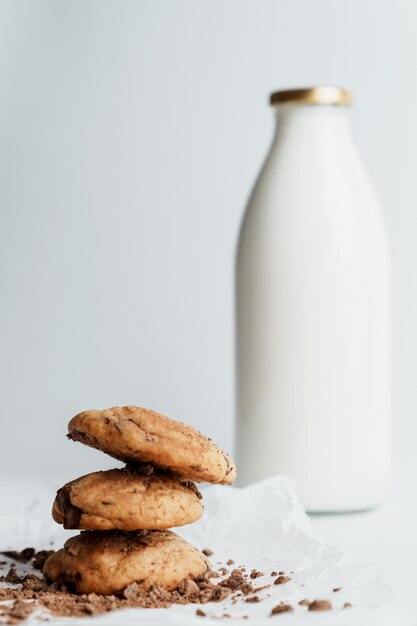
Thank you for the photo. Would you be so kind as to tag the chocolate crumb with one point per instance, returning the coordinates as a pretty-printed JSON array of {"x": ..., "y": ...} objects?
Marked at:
[
  {"x": 12, "y": 577},
  {"x": 320, "y": 605},
  {"x": 207, "y": 552},
  {"x": 282, "y": 608},
  {"x": 281, "y": 580},
  {"x": 19, "y": 611},
  {"x": 200, "y": 613},
  {"x": 274, "y": 573},
  {"x": 23, "y": 556},
  {"x": 193, "y": 487},
  {"x": 35, "y": 592},
  {"x": 336, "y": 589},
  {"x": 347, "y": 605},
  {"x": 188, "y": 587},
  {"x": 40, "y": 558},
  {"x": 237, "y": 582}
]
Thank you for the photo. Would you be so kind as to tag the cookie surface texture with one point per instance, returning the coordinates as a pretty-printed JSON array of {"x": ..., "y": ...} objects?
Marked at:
[
  {"x": 107, "y": 562},
  {"x": 121, "y": 499},
  {"x": 135, "y": 434}
]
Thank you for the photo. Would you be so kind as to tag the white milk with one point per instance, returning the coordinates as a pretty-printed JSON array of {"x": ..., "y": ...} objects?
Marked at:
[{"x": 313, "y": 314}]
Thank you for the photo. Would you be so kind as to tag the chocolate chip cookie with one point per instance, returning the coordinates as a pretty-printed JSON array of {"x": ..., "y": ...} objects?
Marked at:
[
  {"x": 126, "y": 499},
  {"x": 136, "y": 434},
  {"x": 107, "y": 562}
]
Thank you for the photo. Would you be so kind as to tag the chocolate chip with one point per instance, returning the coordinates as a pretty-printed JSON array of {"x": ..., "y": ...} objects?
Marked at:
[
  {"x": 281, "y": 580},
  {"x": 282, "y": 608},
  {"x": 320, "y": 605}
]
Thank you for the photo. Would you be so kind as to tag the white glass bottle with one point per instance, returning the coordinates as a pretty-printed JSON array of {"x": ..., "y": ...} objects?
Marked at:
[{"x": 313, "y": 313}]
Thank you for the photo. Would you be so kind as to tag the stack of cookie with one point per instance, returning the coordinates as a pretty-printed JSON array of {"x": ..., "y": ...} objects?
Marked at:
[{"x": 125, "y": 513}]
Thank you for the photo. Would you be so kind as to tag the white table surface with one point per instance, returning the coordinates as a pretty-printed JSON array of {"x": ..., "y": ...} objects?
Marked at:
[{"x": 386, "y": 536}]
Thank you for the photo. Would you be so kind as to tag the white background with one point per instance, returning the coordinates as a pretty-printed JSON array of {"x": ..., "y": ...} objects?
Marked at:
[{"x": 130, "y": 135}]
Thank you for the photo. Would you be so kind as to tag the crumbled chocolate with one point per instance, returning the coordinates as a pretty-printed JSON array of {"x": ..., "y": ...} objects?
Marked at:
[
  {"x": 70, "y": 513},
  {"x": 19, "y": 611},
  {"x": 11, "y": 577},
  {"x": 34, "y": 583},
  {"x": 237, "y": 582},
  {"x": 23, "y": 556},
  {"x": 40, "y": 558},
  {"x": 320, "y": 605},
  {"x": 34, "y": 591},
  {"x": 188, "y": 587},
  {"x": 190, "y": 485},
  {"x": 59, "y": 601},
  {"x": 282, "y": 608},
  {"x": 336, "y": 589},
  {"x": 207, "y": 552},
  {"x": 281, "y": 580}
]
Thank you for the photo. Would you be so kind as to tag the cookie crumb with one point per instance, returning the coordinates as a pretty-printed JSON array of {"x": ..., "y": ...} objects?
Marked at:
[
  {"x": 253, "y": 599},
  {"x": 336, "y": 589},
  {"x": 207, "y": 552},
  {"x": 304, "y": 602},
  {"x": 256, "y": 574},
  {"x": 230, "y": 562},
  {"x": 281, "y": 580},
  {"x": 281, "y": 608},
  {"x": 200, "y": 613},
  {"x": 320, "y": 605},
  {"x": 347, "y": 605},
  {"x": 274, "y": 573}
]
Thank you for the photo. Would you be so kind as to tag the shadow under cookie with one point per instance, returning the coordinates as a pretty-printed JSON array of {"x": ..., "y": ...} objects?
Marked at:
[{"x": 124, "y": 499}]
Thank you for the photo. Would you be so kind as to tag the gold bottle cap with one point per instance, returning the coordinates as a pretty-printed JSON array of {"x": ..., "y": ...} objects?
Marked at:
[{"x": 321, "y": 94}]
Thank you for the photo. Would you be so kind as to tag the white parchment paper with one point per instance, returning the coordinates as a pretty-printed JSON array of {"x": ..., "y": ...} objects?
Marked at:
[{"x": 263, "y": 527}]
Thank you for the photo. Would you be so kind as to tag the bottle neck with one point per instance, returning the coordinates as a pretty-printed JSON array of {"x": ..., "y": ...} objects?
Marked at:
[{"x": 312, "y": 123}]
